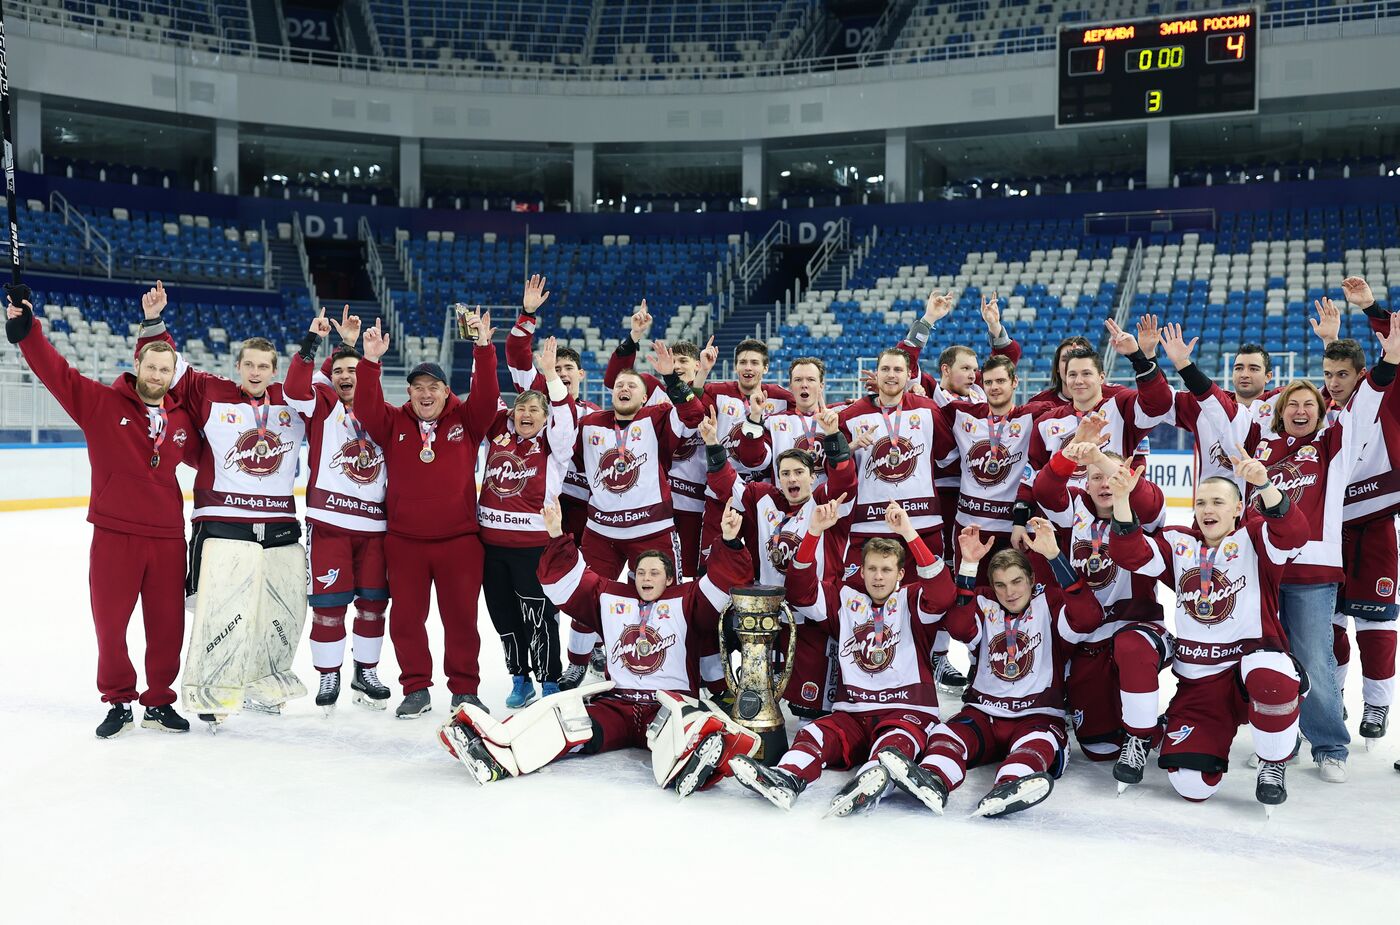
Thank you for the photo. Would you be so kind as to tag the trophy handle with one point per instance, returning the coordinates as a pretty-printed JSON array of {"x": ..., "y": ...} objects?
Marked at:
[
  {"x": 781, "y": 685},
  {"x": 729, "y": 677}
]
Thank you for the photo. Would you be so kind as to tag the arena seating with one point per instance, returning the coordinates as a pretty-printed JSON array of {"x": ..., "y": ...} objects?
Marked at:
[
  {"x": 199, "y": 23},
  {"x": 181, "y": 247}
]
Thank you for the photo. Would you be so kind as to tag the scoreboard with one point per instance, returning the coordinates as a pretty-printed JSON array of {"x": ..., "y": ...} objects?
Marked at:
[{"x": 1169, "y": 67}]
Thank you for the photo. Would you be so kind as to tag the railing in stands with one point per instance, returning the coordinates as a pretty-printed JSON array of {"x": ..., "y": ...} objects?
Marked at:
[
  {"x": 97, "y": 245},
  {"x": 299, "y": 239},
  {"x": 376, "y": 277},
  {"x": 753, "y": 268},
  {"x": 1127, "y": 287},
  {"x": 662, "y": 78}
]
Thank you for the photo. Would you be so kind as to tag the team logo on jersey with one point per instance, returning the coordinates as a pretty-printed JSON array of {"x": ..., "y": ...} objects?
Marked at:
[
  {"x": 179, "y": 437},
  {"x": 619, "y": 608},
  {"x": 1222, "y": 596},
  {"x": 362, "y": 468},
  {"x": 1182, "y": 549},
  {"x": 1231, "y": 551},
  {"x": 1220, "y": 458},
  {"x": 850, "y": 571},
  {"x": 1015, "y": 428},
  {"x": 1264, "y": 452},
  {"x": 618, "y": 470},
  {"x": 1288, "y": 479},
  {"x": 687, "y": 448},
  {"x": 1385, "y": 587},
  {"x": 1055, "y": 428},
  {"x": 1012, "y": 669},
  {"x": 892, "y": 461},
  {"x": 329, "y": 578},
  {"x": 502, "y": 439},
  {"x": 456, "y": 433},
  {"x": 810, "y": 691},
  {"x": 506, "y": 475},
  {"x": 1078, "y": 718},
  {"x": 257, "y": 455},
  {"x": 870, "y": 655},
  {"x": 284, "y": 417},
  {"x": 231, "y": 417},
  {"x": 1181, "y": 735},
  {"x": 967, "y": 427},
  {"x": 641, "y": 648},
  {"x": 814, "y": 446},
  {"x": 991, "y": 464},
  {"x": 731, "y": 439},
  {"x": 780, "y": 426},
  {"x": 1307, "y": 453},
  {"x": 781, "y": 548},
  {"x": 1099, "y": 570}
]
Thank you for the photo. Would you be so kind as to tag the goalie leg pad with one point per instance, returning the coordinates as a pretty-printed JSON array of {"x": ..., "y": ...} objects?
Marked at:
[
  {"x": 538, "y": 734},
  {"x": 281, "y": 617},
  {"x": 681, "y": 726},
  {"x": 223, "y": 633}
]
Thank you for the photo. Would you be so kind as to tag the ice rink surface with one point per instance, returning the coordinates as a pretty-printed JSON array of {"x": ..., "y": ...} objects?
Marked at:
[{"x": 364, "y": 818}]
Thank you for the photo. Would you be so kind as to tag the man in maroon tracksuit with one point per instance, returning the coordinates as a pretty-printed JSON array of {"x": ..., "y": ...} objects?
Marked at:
[
  {"x": 430, "y": 446},
  {"x": 137, "y": 433}
]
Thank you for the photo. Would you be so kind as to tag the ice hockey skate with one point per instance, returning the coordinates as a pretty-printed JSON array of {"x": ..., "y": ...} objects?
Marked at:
[
  {"x": 914, "y": 779},
  {"x": 862, "y": 793},
  {"x": 329, "y": 691},
  {"x": 1012, "y": 796},
  {"x": 369, "y": 691},
  {"x": 1269, "y": 787},
  {"x": 701, "y": 765},
  {"x": 1374, "y": 722},
  {"x": 773, "y": 784},
  {"x": 467, "y": 747},
  {"x": 1132, "y": 761},
  {"x": 948, "y": 678}
]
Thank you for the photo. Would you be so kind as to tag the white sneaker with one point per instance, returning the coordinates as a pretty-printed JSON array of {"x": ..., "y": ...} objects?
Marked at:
[{"x": 1333, "y": 769}]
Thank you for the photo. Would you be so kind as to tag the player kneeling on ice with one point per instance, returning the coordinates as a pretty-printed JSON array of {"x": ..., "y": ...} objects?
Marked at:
[
  {"x": 1232, "y": 662},
  {"x": 884, "y": 628},
  {"x": 1015, "y": 709},
  {"x": 653, "y": 630}
]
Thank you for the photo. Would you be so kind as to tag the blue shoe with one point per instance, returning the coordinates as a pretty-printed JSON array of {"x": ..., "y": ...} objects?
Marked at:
[
  {"x": 547, "y": 688},
  {"x": 521, "y": 693}
]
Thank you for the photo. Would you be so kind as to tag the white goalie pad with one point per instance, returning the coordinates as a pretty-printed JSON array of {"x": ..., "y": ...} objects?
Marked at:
[
  {"x": 681, "y": 725},
  {"x": 224, "y": 635},
  {"x": 281, "y": 617},
  {"x": 538, "y": 734}
]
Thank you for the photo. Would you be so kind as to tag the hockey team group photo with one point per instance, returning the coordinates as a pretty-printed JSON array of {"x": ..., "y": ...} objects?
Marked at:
[{"x": 759, "y": 442}]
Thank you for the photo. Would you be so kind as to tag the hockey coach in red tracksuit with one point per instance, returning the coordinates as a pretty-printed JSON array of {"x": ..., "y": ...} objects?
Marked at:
[{"x": 137, "y": 433}]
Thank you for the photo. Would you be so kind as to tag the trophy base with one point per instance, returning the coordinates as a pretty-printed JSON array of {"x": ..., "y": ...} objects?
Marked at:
[{"x": 771, "y": 745}]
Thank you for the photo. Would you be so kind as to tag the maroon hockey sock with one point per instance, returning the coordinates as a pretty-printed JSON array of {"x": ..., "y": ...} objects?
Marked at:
[
  {"x": 327, "y": 637},
  {"x": 1030, "y": 754},
  {"x": 1376, "y": 643},
  {"x": 1273, "y": 700},
  {"x": 1137, "y": 661}
]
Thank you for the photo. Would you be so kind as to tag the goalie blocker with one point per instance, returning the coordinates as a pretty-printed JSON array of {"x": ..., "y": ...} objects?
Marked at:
[
  {"x": 248, "y": 583},
  {"x": 691, "y": 745}
]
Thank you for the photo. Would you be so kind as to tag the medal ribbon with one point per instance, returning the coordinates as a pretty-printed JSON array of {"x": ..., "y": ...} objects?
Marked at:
[
  {"x": 621, "y": 434},
  {"x": 809, "y": 429},
  {"x": 361, "y": 439},
  {"x": 996, "y": 424},
  {"x": 427, "y": 431},
  {"x": 159, "y": 438},
  {"x": 644, "y": 614},
  {"x": 1207, "y": 566},
  {"x": 261, "y": 411},
  {"x": 892, "y": 428},
  {"x": 1013, "y": 646},
  {"x": 1098, "y": 530},
  {"x": 878, "y": 612}
]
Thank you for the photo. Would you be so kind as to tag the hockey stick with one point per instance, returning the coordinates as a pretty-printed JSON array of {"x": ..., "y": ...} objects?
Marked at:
[{"x": 17, "y": 290}]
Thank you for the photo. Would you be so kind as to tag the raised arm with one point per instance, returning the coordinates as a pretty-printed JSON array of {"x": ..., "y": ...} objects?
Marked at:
[
  {"x": 1082, "y": 611},
  {"x": 74, "y": 391},
  {"x": 484, "y": 398},
  {"x": 567, "y": 582},
  {"x": 370, "y": 408},
  {"x": 813, "y": 599}
]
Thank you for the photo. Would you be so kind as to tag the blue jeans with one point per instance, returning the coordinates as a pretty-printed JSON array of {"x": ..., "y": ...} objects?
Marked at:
[{"x": 1306, "y": 613}]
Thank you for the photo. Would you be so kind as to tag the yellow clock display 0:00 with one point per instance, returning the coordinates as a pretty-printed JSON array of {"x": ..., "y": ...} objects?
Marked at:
[{"x": 1166, "y": 58}]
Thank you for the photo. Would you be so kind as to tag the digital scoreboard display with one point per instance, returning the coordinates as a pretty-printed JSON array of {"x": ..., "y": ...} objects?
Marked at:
[{"x": 1171, "y": 67}]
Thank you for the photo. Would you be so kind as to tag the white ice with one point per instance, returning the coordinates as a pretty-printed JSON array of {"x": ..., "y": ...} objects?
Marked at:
[{"x": 362, "y": 817}]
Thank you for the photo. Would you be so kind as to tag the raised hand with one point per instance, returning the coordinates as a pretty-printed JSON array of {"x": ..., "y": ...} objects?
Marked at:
[
  {"x": 828, "y": 420},
  {"x": 467, "y": 321},
  {"x": 916, "y": 387},
  {"x": 708, "y": 358},
  {"x": 348, "y": 327},
  {"x": 320, "y": 325},
  {"x": 1148, "y": 335},
  {"x": 1328, "y": 323},
  {"x": 863, "y": 440},
  {"x": 825, "y": 516},
  {"x": 897, "y": 519},
  {"x": 548, "y": 358},
  {"x": 758, "y": 406},
  {"x": 553, "y": 517},
  {"x": 991, "y": 314},
  {"x": 709, "y": 428},
  {"x": 1082, "y": 454},
  {"x": 973, "y": 548},
  {"x": 868, "y": 377},
  {"x": 661, "y": 358},
  {"x": 153, "y": 301},
  {"x": 1091, "y": 430},
  {"x": 938, "y": 305},
  {"x": 1042, "y": 537},
  {"x": 1020, "y": 538},
  {"x": 641, "y": 323},
  {"x": 1124, "y": 481},
  {"x": 1123, "y": 343},
  {"x": 535, "y": 294},
  {"x": 484, "y": 331},
  {"x": 376, "y": 342},
  {"x": 1176, "y": 347},
  {"x": 13, "y": 311},
  {"x": 1358, "y": 292},
  {"x": 1390, "y": 341},
  {"x": 732, "y": 522}
]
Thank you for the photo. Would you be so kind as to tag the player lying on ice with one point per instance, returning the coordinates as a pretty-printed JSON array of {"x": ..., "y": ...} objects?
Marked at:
[{"x": 653, "y": 631}]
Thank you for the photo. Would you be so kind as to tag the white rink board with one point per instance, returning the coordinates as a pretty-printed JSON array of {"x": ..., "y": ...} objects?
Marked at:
[{"x": 364, "y": 818}]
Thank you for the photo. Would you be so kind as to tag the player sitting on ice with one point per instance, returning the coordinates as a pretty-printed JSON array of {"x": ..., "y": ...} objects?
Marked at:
[
  {"x": 1015, "y": 709},
  {"x": 653, "y": 630},
  {"x": 1232, "y": 661},
  {"x": 886, "y": 700}
]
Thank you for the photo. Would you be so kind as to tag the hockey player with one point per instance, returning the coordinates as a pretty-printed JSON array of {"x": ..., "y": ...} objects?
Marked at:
[
  {"x": 653, "y": 628},
  {"x": 1112, "y": 685},
  {"x": 529, "y": 450},
  {"x": 883, "y": 626},
  {"x": 520, "y": 359},
  {"x": 764, "y": 437},
  {"x": 246, "y": 537},
  {"x": 136, "y": 432},
  {"x": 345, "y": 517},
  {"x": 430, "y": 448},
  {"x": 776, "y": 520},
  {"x": 1056, "y": 393},
  {"x": 1131, "y": 413},
  {"x": 1015, "y": 705},
  {"x": 1231, "y": 661}
]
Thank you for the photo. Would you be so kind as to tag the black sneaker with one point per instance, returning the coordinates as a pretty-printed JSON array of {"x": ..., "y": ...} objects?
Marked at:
[
  {"x": 473, "y": 699},
  {"x": 164, "y": 718},
  {"x": 118, "y": 721},
  {"x": 415, "y": 704}
]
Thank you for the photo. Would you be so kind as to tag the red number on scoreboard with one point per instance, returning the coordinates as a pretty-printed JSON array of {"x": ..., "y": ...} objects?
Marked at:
[{"x": 1098, "y": 65}]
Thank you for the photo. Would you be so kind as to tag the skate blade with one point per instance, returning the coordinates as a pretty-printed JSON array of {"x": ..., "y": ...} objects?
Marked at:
[
  {"x": 871, "y": 783},
  {"x": 1123, "y": 787},
  {"x": 701, "y": 766},
  {"x": 951, "y": 688},
  {"x": 1033, "y": 791},
  {"x": 745, "y": 775},
  {"x": 900, "y": 776},
  {"x": 365, "y": 700},
  {"x": 328, "y": 710},
  {"x": 1370, "y": 743}
]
